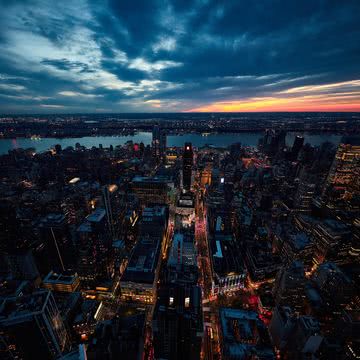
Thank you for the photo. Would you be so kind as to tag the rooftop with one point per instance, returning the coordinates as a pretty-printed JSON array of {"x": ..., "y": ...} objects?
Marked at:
[
  {"x": 54, "y": 278},
  {"x": 97, "y": 215},
  {"x": 157, "y": 179},
  {"x": 242, "y": 331},
  {"x": 15, "y": 308}
]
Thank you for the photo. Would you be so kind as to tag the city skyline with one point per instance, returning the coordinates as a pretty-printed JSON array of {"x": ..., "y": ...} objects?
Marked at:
[{"x": 179, "y": 56}]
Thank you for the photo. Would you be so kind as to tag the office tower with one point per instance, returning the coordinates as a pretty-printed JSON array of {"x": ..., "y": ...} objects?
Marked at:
[
  {"x": 298, "y": 144},
  {"x": 177, "y": 323},
  {"x": 289, "y": 286},
  {"x": 9, "y": 225},
  {"x": 332, "y": 242},
  {"x": 112, "y": 200},
  {"x": 118, "y": 338},
  {"x": 158, "y": 144},
  {"x": 282, "y": 323},
  {"x": 31, "y": 328},
  {"x": 61, "y": 283},
  {"x": 305, "y": 194},
  {"x": 334, "y": 286},
  {"x": 187, "y": 166},
  {"x": 151, "y": 189},
  {"x": 138, "y": 282},
  {"x": 57, "y": 241},
  {"x": 296, "y": 337},
  {"x": 94, "y": 246},
  {"x": 21, "y": 265},
  {"x": 273, "y": 141},
  {"x": 343, "y": 182}
]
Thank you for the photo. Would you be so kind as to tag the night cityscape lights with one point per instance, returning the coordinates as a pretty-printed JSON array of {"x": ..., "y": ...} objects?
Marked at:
[{"x": 180, "y": 180}]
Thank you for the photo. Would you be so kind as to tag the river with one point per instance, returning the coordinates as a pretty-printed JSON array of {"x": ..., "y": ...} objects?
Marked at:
[{"x": 198, "y": 140}]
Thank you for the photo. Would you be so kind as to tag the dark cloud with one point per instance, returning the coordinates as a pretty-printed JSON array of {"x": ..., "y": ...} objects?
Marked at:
[
  {"x": 64, "y": 64},
  {"x": 184, "y": 54}
]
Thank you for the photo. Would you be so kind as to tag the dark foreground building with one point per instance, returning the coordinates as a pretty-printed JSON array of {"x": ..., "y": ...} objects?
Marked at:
[
  {"x": 187, "y": 166},
  {"x": 177, "y": 323},
  {"x": 31, "y": 327}
]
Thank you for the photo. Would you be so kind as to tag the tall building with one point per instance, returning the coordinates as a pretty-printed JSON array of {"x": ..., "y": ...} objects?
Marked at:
[
  {"x": 57, "y": 241},
  {"x": 31, "y": 328},
  {"x": 138, "y": 282},
  {"x": 305, "y": 192},
  {"x": 289, "y": 286},
  {"x": 94, "y": 247},
  {"x": 332, "y": 242},
  {"x": 187, "y": 166},
  {"x": 118, "y": 338},
  {"x": 177, "y": 323},
  {"x": 112, "y": 200},
  {"x": 282, "y": 323},
  {"x": 297, "y": 338},
  {"x": 334, "y": 286},
  {"x": 343, "y": 182},
  {"x": 273, "y": 141},
  {"x": 158, "y": 144},
  {"x": 151, "y": 189},
  {"x": 21, "y": 265},
  {"x": 298, "y": 144}
]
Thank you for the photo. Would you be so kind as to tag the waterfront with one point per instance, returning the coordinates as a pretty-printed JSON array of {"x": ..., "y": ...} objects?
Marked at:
[{"x": 198, "y": 140}]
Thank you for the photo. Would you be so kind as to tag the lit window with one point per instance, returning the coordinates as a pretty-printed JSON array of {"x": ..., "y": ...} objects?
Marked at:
[{"x": 187, "y": 302}]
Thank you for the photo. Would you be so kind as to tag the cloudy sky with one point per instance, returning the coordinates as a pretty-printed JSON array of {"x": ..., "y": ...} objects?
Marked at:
[{"x": 161, "y": 56}]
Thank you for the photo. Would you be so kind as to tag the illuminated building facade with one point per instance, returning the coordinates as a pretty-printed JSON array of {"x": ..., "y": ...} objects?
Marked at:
[
  {"x": 151, "y": 189},
  {"x": 332, "y": 242},
  {"x": 289, "y": 286},
  {"x": 158, "y": 144},
  {"x": 138, "y": 283},
  {"x": 112, "y": 201},
  {"x": 94, "y": 246},
  {"x": 185, "y": 211},
  {"x": 61, "y": 283},
  {"x": 31, "y": 328},
  {"x": 343, "y": 183}
]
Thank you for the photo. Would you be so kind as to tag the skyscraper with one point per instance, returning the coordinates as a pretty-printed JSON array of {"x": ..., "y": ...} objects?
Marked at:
[
  {"x": 94, "y": 241},
  {"x": 59, "y": 248},
  {"x": 298, "y": 144},
  {"x": 177, "y": 323},
  {"x": 158, "y": 144},
  {"x": 187, "y": 166},
  {"x": 289, "y": 286},
  {"x": 343, "y": 182},
  {"x": 31, "y": 328},
  {"x": 112, "y": 200},
  {"x": 22, "y": 265}
]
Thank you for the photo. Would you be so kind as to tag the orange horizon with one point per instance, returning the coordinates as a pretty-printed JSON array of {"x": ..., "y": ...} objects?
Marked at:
[{"x": 278, "y": 105}]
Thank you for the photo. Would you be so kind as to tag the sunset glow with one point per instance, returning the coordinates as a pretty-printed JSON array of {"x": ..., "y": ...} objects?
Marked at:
[
  {"x": 342, "y": 96},
  {"x": 278, "y": 104}
]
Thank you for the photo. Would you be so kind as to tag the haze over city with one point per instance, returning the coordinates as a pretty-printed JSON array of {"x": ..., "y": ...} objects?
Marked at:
[{"x": 179, "y": 56}]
